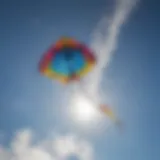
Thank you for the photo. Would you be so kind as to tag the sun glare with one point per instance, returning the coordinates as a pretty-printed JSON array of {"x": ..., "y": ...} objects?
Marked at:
[{"x": 83, "y": 110}]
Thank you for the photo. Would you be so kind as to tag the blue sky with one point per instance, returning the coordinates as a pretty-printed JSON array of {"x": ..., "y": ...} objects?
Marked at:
[{"x": 130, "y": 82}]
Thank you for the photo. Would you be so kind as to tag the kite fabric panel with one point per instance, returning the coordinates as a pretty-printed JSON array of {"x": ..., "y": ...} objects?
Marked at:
[{"x": 67, "y": 60}]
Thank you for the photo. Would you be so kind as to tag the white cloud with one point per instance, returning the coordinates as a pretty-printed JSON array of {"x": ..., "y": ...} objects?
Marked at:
[
  {"x": 58, "y": 148},
  {"x": 105, "y": 39}
]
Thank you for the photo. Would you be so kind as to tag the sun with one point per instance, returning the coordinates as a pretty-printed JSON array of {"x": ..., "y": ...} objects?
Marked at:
[{"x": 83, "y": 110}]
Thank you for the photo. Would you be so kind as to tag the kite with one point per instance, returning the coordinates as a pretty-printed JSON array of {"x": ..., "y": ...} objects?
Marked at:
[
  {"x": 67, "y": 60},
  {"x": 109, "y": 112}
]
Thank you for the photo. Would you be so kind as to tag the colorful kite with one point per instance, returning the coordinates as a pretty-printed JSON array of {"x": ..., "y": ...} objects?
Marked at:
[
  {"x": 67, "y": 60},
  {"x": 109, "y": 113}
]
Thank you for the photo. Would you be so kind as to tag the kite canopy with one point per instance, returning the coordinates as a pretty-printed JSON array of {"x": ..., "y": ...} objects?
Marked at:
[{"x": 67, "y": 60}]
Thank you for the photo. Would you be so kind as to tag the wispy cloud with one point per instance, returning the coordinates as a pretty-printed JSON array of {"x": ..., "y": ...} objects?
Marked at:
[
  {"x": 105, "y": 40},
  {"x": 59, "y": 148}
]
